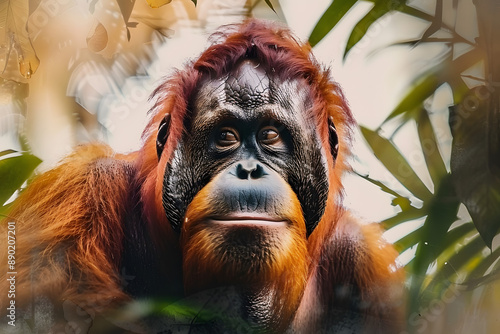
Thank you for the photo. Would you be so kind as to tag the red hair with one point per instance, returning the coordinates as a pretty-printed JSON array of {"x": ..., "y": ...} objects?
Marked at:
[
  {"x": 283, "y": 57},
  {"x": 82, "y": 222}
]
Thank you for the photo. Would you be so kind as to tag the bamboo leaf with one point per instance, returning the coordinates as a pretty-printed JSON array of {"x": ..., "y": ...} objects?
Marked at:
[
  {"x": 4, "y": 210},
  {"x": 483, "y": 266},
  {"x": 360, "y": 29},
  {"x": 403, "y": 202},
  {"x": 481, "y": 269},
  {"x": 411, "y": 213},
  {"x": 14, "y": 171},
  {"x": 407, "y": 241},
  {"x": 442, "y": 212},
  {"x": 14, "y": 38},
  {"x": 382, "y": 186},
  {"x": 331, "y": 17},
  {"x": 466, "y": 254},
  {"x": 430, "y": 149},
  {"x": 392, "y": 159},
  {"x": 401, "y": 6},
  {"x": 7, "y": 152},
  {"x": 451, "y": 239},
  {"x": 427, "y": 83},
  {"x": 208, "y": 307},
  {"x": 457, "y": 235},
  {"x": 268, "y": 2},
  {"x": 412, "y": 11},
  {"x": 413, "y": 43}
]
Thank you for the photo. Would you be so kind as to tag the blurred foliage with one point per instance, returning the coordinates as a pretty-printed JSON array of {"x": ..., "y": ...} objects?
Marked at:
[
  {"x": 15, "y": 44},
  {"x": 15, "y": 169},
  {"x": 158, "y": 3},
  {"x": 72, "y": 43},
  {"x": 447, "y": 250}
]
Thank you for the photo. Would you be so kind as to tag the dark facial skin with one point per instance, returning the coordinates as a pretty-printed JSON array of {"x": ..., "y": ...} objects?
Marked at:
[{"x": 257, "y": 132}]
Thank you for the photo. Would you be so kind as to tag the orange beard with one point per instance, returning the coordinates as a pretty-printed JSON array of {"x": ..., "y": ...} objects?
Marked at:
[{"x": 268, "y": 262}]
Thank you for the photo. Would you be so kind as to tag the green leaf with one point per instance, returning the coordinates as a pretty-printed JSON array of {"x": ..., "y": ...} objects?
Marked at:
[
  {"x": 411, "y": 213},
  {"x": 451, "y": 239},
  {"x": 380, "y": 9},
  {"x": 475, "y": 158},
  {"x": 7, "y": 152},
  {"x": 14, "y": 172},
  {"x": 407, "y": 241},
  {"x": 430, "y": 149},
  {"x": 392, "y": 159},
  {"x": 4, "y": 210},
  {"x": 412, "y": 11},
  {"x": 401, "y": 7},
  {"x": 489, "y": 278},
  {"x": 382, "y": 186},
  {"x": 442, "y": 212},
  {"x": 425, "y": 85},
  {"x": 403, "y": 202},
  {"x": 14, "y": 39},
  {"x": 331, "y": 17},
  {"x": 481, "y": 269},
  {"x": 207, "y": 308},
  {"x": 467, "y": 253},
  {"x": 268, "y": 2},
  {"x": 457, "y": 235},
  {"x": 412, "y": 43}
]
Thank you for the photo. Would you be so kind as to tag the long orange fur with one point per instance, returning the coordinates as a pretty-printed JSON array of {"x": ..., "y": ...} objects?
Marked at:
[{"x": 70, "y": 220}]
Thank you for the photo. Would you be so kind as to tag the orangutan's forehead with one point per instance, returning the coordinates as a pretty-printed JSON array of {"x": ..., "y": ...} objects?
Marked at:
[{"x": 247, "y": 86}]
